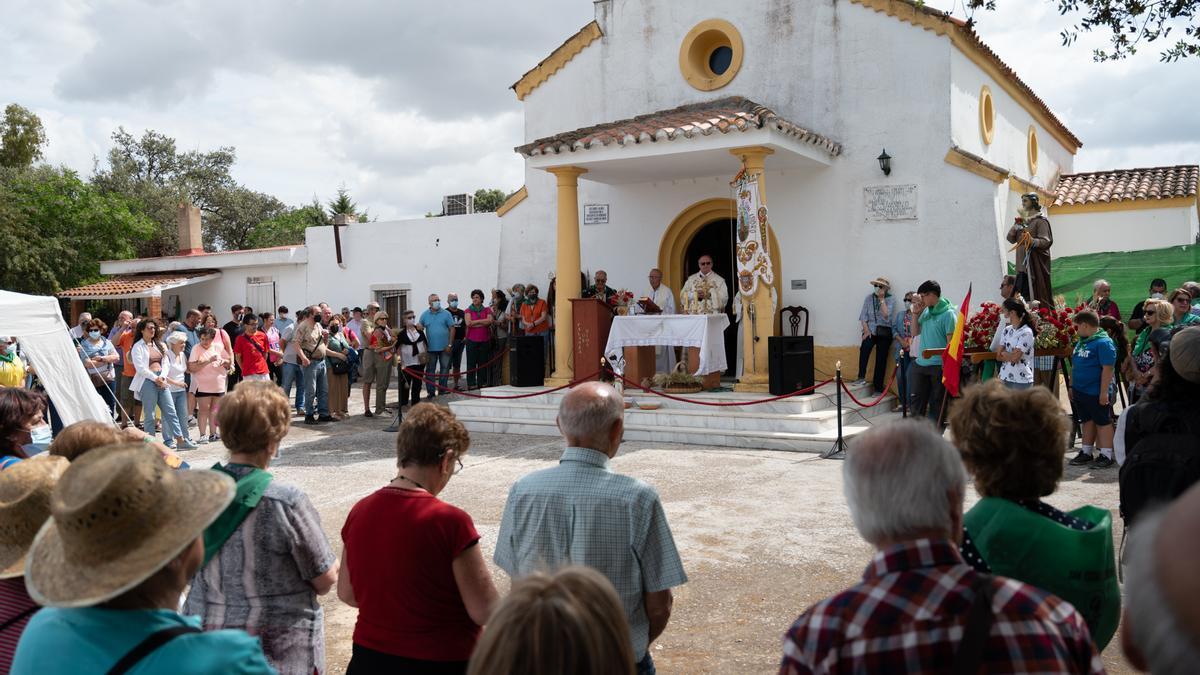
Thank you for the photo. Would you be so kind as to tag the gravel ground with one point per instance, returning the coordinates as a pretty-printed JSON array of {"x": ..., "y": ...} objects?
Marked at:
[{"x": 763, "y": 534}]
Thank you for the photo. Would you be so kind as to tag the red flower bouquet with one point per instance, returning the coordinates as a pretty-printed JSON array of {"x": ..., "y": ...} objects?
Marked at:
[
  {"x": 1054, "y": 327},
  {"x": 981, "y": 327}
]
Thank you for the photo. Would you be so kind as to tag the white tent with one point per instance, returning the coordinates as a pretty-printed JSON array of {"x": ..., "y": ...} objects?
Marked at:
[{"x": 37, "y": 323}]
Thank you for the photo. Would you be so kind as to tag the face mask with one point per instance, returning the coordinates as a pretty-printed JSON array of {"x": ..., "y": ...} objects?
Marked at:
[
  {"x": 94, "y": 334},
  {"x": 435, "y": 305},
  {"x": 532, "y": 296},
  {"x": 410, "y": 322},
  {"x": 335, "y": 330},
  {"x": 40, "y": 437},
  {"x": 454, "y": 304},
  {"x": 1157, "y": 296}
]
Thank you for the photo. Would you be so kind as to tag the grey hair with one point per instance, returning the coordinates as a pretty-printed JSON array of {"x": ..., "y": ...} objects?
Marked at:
[
  {"x": 176, "y": 337},
  {"x": 896, "y": 478},
  {"x": 587, "y": 416},
  {"x": 1098, "y": 283},
  {"x": 1155, "y": 629}
]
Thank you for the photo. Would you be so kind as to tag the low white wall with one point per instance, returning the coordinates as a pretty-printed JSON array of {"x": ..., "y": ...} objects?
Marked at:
[
  {"x": 230, "y": 289},
  {"x": 1079, "y": 233}
]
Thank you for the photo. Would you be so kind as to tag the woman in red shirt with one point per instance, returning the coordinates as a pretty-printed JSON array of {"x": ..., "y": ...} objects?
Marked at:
[{"x": 411, "y": 563}]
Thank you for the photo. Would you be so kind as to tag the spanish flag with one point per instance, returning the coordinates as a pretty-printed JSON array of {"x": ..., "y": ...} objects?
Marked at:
[{"x": 952, "y": 356}]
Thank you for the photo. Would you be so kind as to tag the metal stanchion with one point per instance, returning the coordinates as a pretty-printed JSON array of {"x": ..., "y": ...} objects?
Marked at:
[
  {"x": 395, "y": 425},
  {"x": 904, "y": 396},
  {"x": 838, "y": 451}
]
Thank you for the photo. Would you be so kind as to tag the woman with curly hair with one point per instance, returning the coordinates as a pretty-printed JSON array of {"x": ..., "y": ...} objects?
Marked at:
[{"x": 1012, "y": 442}]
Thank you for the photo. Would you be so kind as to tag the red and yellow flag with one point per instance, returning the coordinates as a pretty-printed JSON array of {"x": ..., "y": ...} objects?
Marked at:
[{"x": 952, "y": 356}]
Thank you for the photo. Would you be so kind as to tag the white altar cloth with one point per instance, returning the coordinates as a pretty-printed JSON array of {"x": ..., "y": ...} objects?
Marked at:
[{"x": 705, "y": 331}]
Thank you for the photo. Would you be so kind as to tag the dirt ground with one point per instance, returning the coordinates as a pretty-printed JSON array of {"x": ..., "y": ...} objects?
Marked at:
[{"x": 762, "y": 534}]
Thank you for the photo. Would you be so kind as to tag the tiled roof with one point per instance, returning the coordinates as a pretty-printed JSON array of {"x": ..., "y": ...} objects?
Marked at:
[
  {"x": 698, "y": 119},
  {"x": 134, "y": 284},
  {"x": 1101, "y": 187}
]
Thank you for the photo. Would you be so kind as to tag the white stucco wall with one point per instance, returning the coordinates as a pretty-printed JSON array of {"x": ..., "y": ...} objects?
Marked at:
[
  {"x": 1079, "y": 233},
  {"x": 1010, "y": 139},
  {"x": 230, "y": 289},
  {"x": 423, "y": 256}
]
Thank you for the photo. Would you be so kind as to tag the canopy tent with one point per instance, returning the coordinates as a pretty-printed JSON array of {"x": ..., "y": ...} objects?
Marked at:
[{"x": 37, "y": 323}]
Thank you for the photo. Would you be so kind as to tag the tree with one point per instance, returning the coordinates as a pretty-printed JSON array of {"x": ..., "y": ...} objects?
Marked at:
[
  {"x": 1129, "y": 23},
  {"x": 21, "y": 137},
  {"x": 288, "y": 228},
  {"x": 55, "y": 228},
  {"x": 343, "y": 204},
  {"x": 236, "y": 214},
  {"x": 487, "y": 201}
]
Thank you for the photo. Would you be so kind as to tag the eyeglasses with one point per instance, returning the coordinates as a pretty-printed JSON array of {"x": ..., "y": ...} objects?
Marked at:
[{"x": 458, "y": 469}]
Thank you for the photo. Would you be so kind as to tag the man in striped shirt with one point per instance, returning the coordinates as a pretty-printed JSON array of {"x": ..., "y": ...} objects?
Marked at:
[{"x": 919, "y": 607}]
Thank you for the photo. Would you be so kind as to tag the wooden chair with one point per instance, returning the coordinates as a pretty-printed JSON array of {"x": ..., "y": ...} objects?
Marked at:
[{"x": 793, "y": 320}]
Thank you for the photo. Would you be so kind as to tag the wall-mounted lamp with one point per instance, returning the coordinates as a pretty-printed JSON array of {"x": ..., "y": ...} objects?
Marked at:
[{"x": 885, "y": 163}]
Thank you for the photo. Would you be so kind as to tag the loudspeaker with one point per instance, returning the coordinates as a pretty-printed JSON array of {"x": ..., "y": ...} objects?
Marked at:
[
  {"x": 790, "y": 363},
  {"x": 527, "y": 360}
]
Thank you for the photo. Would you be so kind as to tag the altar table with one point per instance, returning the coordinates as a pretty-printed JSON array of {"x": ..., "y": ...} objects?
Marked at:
[{"x": 703, "y": 334}]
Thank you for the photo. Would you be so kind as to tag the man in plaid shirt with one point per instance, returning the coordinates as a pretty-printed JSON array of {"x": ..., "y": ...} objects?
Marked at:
[{"x": 904, "y": 485}]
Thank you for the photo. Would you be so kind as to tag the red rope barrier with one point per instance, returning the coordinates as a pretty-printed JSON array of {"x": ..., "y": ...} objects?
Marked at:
[
  {"x": 876, "y": 402},
  {"x": 719, "y": 404},
  {"x": 501, "y": 351},
  {"x": 420, "y": 375}
]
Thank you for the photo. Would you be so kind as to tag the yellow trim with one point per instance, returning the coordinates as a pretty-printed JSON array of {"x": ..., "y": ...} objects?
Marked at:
[
  {"x": 1124, "y": 205},
  {"x": 699, "y": 44},
  {"x": 686, "y": 225},
  {"x": 956, "y": 157},
  {"x": 1021, "y": 186},
  {"x": 511, "y": 203},
  {"x": 1031, "y": 150},
  {"x": 989, "y": 63},
  {"x": 557, "y": 59},
  {"x": 987, "y": 115}
]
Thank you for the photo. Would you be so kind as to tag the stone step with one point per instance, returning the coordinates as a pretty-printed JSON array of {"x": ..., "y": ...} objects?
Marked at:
[
  {"x": 691, "y": 418},
  {"x": 767, "y": 440}
]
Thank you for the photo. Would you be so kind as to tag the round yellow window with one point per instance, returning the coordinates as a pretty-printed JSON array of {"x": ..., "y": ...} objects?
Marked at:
[
  {"x": 711, "y": 54},
  {"x": 1033, "y": 151},
  {"x": 987, "y": 115}
]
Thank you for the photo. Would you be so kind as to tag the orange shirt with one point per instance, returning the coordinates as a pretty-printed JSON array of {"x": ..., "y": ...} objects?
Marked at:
[
  {"x": 530, "y": 312},
  {"x": 125, "y": 343}
]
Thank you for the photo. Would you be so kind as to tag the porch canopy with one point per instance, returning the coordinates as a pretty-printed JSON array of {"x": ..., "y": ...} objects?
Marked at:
[
  {"x": 689, "y": 141},
  {"x": 130, "y": 286}
]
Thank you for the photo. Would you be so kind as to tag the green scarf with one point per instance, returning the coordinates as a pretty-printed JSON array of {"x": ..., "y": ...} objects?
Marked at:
[
  {"x": 1143, "y": 341},
  {"x": 475, "y": 308},
  {"x": 940, "y": 308},
  {"x": 250, "y": 489},
  {"x": 7, "y": 357}
]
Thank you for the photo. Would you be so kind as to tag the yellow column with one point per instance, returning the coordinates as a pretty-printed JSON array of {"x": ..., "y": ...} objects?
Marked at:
[
  {"x": 755, "y": 377},
  {"x": 566, "y": 272}
]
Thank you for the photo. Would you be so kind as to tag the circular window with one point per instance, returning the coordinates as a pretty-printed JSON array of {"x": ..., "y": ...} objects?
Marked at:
[
  {"x": 1033, "y": 151},
  {"x": 711, "y": 54},
  {"x": 987, "y": 115}
]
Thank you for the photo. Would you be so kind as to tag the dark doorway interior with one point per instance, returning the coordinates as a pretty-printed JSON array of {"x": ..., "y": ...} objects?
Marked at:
[{"x": 716, "y": 239}]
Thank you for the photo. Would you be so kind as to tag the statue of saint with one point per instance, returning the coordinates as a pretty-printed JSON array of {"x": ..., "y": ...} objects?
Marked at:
[
  {"x": 1032, "y": 240},
  {"x": 705, "y": 291}
]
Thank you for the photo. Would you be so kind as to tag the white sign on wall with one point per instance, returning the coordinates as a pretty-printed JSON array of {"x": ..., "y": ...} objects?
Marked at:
[
  {"x": 595, "y": 214},
  {"x": 890, "y": 202}
]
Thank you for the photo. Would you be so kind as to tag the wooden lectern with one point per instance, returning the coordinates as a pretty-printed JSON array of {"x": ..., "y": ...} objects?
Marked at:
[{"x": 592, "y": 318}]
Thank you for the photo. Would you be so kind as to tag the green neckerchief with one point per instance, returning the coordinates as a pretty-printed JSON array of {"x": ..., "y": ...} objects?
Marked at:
[
  {"x": 475, "y": 308},
  {"x": 1143, "y": 341},
  {"x": 940, "y": 308},
  {"x": 7, "y": 357},
  {"x": 1098, "y": 335},
  {"x": 250, "y": 489}
]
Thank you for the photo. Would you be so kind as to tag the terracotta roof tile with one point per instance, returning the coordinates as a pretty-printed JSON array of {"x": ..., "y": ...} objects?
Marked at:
[
  {"x": 698, "y": 119},
  {"x": 1099, "y": 187},
  {"x": 130, "y": 284}
]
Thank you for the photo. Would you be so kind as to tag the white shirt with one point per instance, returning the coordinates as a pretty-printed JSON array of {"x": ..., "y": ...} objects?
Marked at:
[
  {"x": 663, "y": 297},
  {"x": 176, "y": 367},
  {"x": 407, "y": 358},
  {"x": 1018, "y": 338}
]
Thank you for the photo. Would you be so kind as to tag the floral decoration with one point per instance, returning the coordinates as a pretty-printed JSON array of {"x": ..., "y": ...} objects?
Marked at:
[
  {"x": 621, "y": 299},
  {"x": 1054, "y": 327},
  {"x": 981, "y": 327}
]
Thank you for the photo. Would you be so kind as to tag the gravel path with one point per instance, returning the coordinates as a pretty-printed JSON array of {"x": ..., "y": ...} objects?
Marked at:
[{"x": 763, "y": 534}]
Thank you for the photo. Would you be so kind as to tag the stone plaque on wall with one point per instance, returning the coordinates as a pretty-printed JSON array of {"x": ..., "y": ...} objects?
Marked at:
[{"x": 890, "y": 202}]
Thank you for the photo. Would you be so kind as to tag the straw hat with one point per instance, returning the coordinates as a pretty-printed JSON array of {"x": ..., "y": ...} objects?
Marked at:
[
  {"x": 118, "y": 515},
  {"x": 882, "y": 281},
  {"x": 24, "y": 506}
]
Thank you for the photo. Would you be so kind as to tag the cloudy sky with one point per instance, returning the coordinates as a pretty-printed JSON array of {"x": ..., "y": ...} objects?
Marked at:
[{"x": 405, "y": 102}]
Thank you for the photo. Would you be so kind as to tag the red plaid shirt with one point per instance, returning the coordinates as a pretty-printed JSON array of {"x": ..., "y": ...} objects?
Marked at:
[{"x": 908, "y": 616}]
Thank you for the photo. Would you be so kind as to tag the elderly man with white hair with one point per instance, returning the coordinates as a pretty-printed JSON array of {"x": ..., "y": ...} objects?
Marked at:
[
  {"x": 78, "y": 330},
  {"x": 919, "y": 607},
  {"x": 1102, "y": 300},
  {"x": 1161, "y": 629},
  {"x": 582, "y": 513}
]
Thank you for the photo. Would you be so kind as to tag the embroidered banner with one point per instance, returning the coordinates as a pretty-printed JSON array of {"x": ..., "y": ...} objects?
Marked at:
[{"x": 753, "y": 256}]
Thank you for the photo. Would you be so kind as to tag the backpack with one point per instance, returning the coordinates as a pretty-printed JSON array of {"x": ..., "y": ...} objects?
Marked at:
[{"x": 1164, "y": 461}]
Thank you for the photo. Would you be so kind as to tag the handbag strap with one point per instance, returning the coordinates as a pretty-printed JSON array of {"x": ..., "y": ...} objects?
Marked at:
[
  {"x": 969, "y": 656},
  {"x": 148, "y": 646}
]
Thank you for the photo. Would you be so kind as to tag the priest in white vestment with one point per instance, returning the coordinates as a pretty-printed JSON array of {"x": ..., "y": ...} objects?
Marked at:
[
  {"x": 658, "y": 300},
  {"x": 705, "y": 291}
]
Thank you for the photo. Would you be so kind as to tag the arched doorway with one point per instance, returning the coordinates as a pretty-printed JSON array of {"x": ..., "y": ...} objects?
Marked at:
[{"x": 678, "y": 262}]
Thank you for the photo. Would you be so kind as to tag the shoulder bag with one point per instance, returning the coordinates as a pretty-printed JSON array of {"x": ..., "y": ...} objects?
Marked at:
[
  {"x": 148, "y": 646},
  {"x": 969, "y": 656},
  {"x": 250, "y": 489}
]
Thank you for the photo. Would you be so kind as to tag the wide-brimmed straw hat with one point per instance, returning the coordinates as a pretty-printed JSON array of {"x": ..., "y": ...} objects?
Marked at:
[
  {"x": 24, "y": 506},
  {"x": 882, "y": 281},
  {"x": 118, "y": 515}
]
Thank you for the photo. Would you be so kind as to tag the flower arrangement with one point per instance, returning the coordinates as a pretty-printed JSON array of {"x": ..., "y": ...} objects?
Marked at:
[
  {"x": 1054, "y": 327},
  {"x": 981, "y": 327},
  {"x": 621, "y": 300}
]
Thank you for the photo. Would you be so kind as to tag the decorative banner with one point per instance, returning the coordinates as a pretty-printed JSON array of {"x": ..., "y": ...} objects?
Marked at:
[{"x": 753, "y": 256}]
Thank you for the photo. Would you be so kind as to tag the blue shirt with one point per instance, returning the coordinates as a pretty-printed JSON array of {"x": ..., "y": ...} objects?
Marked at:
[
  {"x": 872, "y": 311},
  {"x": 92, "y": 639},
  {"x": 581, "y": 513},
  {"x": 1088, "y": 361},
  {"x": 437, "y": 328},
  {"x": 934, "y": 329}
]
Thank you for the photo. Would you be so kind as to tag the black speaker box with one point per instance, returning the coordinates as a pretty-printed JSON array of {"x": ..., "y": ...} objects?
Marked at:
[
  {"x": 526, "y": 361},
  {"x": 790, "y": 363}
]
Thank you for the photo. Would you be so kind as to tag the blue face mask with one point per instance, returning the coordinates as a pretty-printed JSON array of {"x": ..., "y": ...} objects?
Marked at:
[
  {"x": 454, "y": 304},
  {"x": 94, "y": 334},
  {"x": 435, "y": 305},
  {"x": 41, "y": 437}
]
